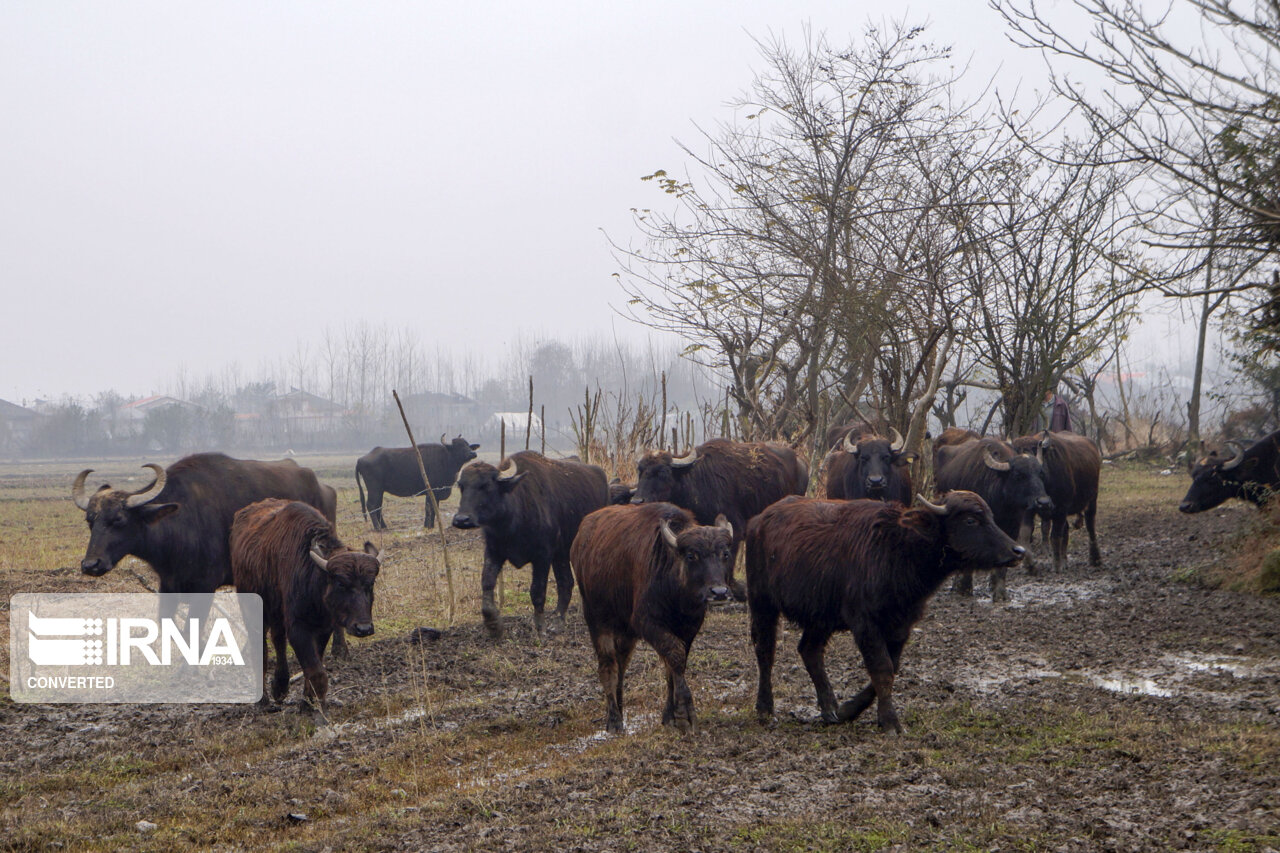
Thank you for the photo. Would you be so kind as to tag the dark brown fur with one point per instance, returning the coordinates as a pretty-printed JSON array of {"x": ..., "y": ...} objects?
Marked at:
[
  {"x": 635, "y": 586},
  {"x": 851, "y": 476},
  {"x": 271, "y": 542},
  {"x": 734, "y": 479},
  {"x": 862, "y": 566}
]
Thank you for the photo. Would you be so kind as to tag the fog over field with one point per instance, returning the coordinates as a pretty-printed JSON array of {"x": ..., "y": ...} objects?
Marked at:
[{"x": 187, "y": 186}]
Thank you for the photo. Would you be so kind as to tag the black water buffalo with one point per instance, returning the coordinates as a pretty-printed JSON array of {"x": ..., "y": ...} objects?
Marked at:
[
  {"x": 312, "y": 586},
  {"x": 870, "y": 467},
  {"x": 394, "y": 470},
  {"x": 180, "y": 523},
  {"x": 862, "y": 566},
  {"x": 530, "y": 511},
  {"x": 647, "y": 572},
  {"x": 720, "y": 477},
  {"x": 1011, "y": 483},
  {"x": 1072, "y": 468},
  {"x": 1251, "y": 474}
]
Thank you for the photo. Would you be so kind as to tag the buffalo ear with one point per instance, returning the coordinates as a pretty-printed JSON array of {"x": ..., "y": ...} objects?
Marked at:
[
  {"x": 371, "y": 550},
  {"x": 509, "y": 483},
  {"x": 151, "y": 513},
  {"x": 907, "y": 459}
]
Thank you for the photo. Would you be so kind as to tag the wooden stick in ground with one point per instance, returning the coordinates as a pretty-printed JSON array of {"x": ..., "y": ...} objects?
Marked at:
[
  {"x": 422, "y": 468},
  {"x": 528, "y": 424}
]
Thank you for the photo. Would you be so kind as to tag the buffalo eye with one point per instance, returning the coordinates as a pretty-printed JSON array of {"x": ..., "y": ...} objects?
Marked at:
[
  {"x": 118, "y": 521},
  {"x": 971, "y": 521}
]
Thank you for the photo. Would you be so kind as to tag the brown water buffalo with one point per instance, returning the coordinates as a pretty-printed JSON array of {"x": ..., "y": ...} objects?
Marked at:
[
  {"x": 1072, "y": 468},
  {"x": 394, "y": 470},
  {"x": 312, "y": 586},
  {"x": 647, "y": 572},
  {"x": 862, "y": 566},
  {"x": 1251, "y": 474},
  {"x": 530, "y": 511},
  {"x": 720, "y": 477},
  {"x": 1011, "y": 483},
  {"x": 870, "y": 466},
  {"x": 952, "y": 436}
]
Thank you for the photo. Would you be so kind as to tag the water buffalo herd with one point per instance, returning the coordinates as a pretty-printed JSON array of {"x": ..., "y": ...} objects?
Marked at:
[{"x": 649, "y": 557}]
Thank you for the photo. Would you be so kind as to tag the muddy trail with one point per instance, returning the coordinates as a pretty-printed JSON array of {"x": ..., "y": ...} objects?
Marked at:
[{"x": 1111, "y": 708}]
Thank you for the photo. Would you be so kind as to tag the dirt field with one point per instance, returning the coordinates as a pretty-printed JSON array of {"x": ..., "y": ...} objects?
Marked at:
[{"x": 1120, "y": 708}]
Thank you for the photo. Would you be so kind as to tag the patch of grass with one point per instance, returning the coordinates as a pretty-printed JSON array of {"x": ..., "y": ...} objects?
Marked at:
[
  {"x": 823, "y": 836},
  {"x": 1236, "y": 841}
]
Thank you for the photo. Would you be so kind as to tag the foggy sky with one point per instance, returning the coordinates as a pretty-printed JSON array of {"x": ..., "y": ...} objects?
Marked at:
[{"x": 188, "y": 185}]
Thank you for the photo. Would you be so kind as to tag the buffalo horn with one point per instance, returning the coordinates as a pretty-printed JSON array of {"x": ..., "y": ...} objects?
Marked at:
[
  {"x": 509, "y": 473},
  {"x": 898, "y": 441},
  {"x": 316, "y": 557},
  {"x": 150, "y": 492},
  {"x": 936, "y": 509},
  {"x": 1237, "y": 456},
  {"x": 442, "y": 441},
  {"x": 849, "y": 446},
  {"x": 668, "y": 535},
  {"x": 685, "y": 461},
  {"x": 993, "y": 463},
  {"x": 77, "y": 489}
]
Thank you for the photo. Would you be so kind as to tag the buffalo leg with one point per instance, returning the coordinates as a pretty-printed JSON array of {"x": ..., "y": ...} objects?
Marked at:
[
  {"x": 488, "y": 607},
  {"x": 764, "y": 637},
  {"x": 315, "y": 679},
  {"x": 852, "y": 708},
  {"x": 280, "y": 681},
  {"x": 564, "y": 586},
  {"x": 1090, "y": 517},
  {"x": 813, "y": 651},
  {"x": 1025, "y": 534},
  {"x": 610, "y": 672},
  {"x": 675, "y": 654},
  {"x": 429, "y": 513},
  {"x": 1060, "y": 543},
  {"x": 538, "y": 593},
  {"x": 880, "y": 666},
  {"x": 375, "y": 509},
  {"x": 963, "y": 584},
  {"x": 623, "y": 645},
  {"x": 999, "y": 592}
]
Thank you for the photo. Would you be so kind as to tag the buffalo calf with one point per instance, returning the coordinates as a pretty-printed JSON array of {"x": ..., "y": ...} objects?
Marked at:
[
  {"x": 861, "y": 566},
  {"x": 312, "y": 586},
  {"x": 647, "y": 572}
]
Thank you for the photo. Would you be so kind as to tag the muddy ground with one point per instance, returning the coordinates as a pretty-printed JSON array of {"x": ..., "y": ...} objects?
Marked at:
[{"x": 1115, "y": 708}]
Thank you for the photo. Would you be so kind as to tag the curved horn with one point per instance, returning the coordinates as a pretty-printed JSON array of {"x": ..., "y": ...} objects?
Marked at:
[
  {"x": 936, "y": 509},
  {"x": 898, "y": 441},
  {"x": 1236, "y": 458},
  {"x": 150, "y": 492},
  {"x": 668, "y": 535},
  {"x": 849, "y": 446},
  {"x": 442, "y": 441},
  {"x": 687, "y": 460},
  {"x": 509, "y": 473},
  {"x": 724, "y": 524},
  {"x": 77, "y": 489},
  {"x": 993, "y": 463},
  {"x": 316, "y": 556}
]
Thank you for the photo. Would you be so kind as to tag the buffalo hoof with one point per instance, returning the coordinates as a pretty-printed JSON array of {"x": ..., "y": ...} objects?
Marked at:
[
  {"x": 494, "y": 627},
  {"x": 850, "y": 710},
  {"x": 963, "y": 585},
  {"x": 889, "y": 724},
  {"x": 1000, "y": 596}
]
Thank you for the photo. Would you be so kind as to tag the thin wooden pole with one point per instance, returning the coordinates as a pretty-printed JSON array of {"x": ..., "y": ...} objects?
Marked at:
[
  {"x": 422, "y": 468},
  {"x": 528, "y": 424}
]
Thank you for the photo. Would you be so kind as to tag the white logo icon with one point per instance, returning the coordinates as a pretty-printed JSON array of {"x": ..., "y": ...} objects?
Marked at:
[{"x": 50, "y": 646}]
